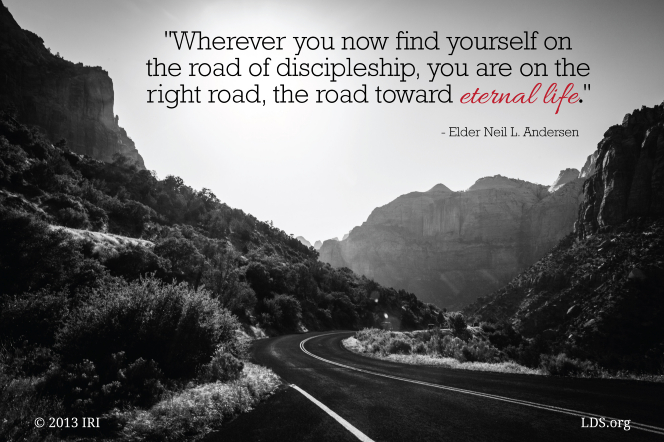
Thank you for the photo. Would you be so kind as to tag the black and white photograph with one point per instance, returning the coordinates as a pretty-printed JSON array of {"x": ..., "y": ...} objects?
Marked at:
[{"x": 318, "y": 221}]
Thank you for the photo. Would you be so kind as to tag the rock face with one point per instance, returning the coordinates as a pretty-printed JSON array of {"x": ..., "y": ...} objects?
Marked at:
[
  {"x": 549, "y": 220},
  {"x": 629, "y": 173},
  {"x": 564, "y": 177},
  {"x": 67, "y": 100},
  {"x": 318, "y": 244},
  {"x": 304, "y": 241},
  {"x": 600, "y": 296},
  {"x": 451, "y": 247},
  {"x": 589, "y": 168}
]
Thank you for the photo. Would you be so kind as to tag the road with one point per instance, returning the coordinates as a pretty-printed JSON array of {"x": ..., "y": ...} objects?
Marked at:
[{"x": 432, "y": 403}]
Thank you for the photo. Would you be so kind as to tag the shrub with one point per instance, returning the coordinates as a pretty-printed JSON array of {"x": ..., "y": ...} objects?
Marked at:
[
  {"x": 502, "y": 335},
  {"x": 19, "y": 404},
  {"x": 128, "y": 339},
  {"x": 446, "y": 346},
  {"x": 70, "y": 217},
  {"x": 26, "y": 360},
  {"x": 478, "y": 350},
  {"x": 562, "y": 365},
  {"x": 185, "y": 261},
  {"x": 528, "y": 352},
  {"x": 135, "y": 261},
  {"x": 78, "y": 385},
  {"x": 33, "y": 317},
  {"x": 33, "y": 256},
  {"x": 398, "y": 346},
  {"x": 177, "y": 327},
  {"x": 420, "y": 348},
  {"x": 128, "y": 217},
  {"x": 88, "y": 388},
  {"x": 223, "y": 367},
  {"x": 67, "y": 210}
]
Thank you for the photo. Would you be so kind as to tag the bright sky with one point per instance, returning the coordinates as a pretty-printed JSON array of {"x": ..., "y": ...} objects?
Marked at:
[{"x": 318, "y": 170}]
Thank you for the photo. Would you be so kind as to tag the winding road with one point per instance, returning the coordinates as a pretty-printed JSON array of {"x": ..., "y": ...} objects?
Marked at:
[{"x": 333, "y": 394}]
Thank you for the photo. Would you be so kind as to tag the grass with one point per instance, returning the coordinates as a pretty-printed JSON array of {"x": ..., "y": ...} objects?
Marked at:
[
  {"x": 20, "y": 405},
  {"x": 197, "y": 411},
  {"x": 423, "y": 349},
  {"x": 187, "y": 415},
  {"x": 440, "y": 348}
]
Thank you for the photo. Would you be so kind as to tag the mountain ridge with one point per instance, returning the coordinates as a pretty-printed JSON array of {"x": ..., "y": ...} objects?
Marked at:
[
  {"x": 457, "y": 244},
  {"x": 599, "y": 294},
  {"x": 67, "y": 100}
]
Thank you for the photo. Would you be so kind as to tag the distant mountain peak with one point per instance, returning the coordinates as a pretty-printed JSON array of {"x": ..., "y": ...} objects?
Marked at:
[
  {"x": 499, "y": 181},
  {"x": 564, "y": 177},
  {"x": 439, "y": 188},
  {"x": 303, "y": 241}
]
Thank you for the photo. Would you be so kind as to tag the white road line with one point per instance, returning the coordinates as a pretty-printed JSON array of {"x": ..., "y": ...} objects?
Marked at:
[
  {"x": 357, "y": 433},
  {"x": 643, "y": 427}
]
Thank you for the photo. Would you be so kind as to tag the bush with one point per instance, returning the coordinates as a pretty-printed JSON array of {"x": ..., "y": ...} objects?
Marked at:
[
  {"x": 398, "y": 346},
  {"x": 478, "y": 350},
  {"x": 502, "y": 335},
  {"x": 33, "y": 256},
  {"x": 134, "y": 261},
  {"x": 19, "y": 404},
  {"x": 175, "y": 326},
  {"x": 67, "y": 210},
  {"x": 446, "y": 346},
  {"x": 223, "y": 367},
  {"x": 185, "y": 261},
  {"x": 562, "y": 365},
  {"x": 282, "y": 312},
  {"x": 128, "y": 339},
  {"x": 88, "y": 388},
  {"x": 33, "y": 317}
]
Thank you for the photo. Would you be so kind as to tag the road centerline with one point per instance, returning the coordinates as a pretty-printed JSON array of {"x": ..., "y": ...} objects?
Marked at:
[{"x": 638, "y": 426}]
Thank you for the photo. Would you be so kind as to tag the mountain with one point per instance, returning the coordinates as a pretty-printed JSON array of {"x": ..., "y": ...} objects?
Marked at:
[
  {"x": 303, "y": 240},
  {"x": 599, "y": 295},
  {"x": 629, "y": 177},
  {"x": 318, "y": 244},
  {"x": 450, "y": 247},
  {"x": 68, "y": 101},
  {"x": 564, "y": 177}
]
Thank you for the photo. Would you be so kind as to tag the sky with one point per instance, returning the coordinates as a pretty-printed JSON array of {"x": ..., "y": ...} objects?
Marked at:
[{"x": 319, "y": 169}]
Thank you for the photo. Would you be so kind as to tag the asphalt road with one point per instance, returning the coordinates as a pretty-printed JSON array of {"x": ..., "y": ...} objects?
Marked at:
[{"x": 438, "y": 404}]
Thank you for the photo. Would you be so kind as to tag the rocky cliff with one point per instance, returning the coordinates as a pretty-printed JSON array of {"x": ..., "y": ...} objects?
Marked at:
[
  {"x": 451, "y": 247},
  {"x": 66, "y": 100},
  {"x": 600, "y": 293},
  {"x": 629, "y": 176},
  {"x": 564, "y": 177}
]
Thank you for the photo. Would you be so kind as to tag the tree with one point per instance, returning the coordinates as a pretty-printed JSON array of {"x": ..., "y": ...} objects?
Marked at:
[{"x": 457, "y": 323}]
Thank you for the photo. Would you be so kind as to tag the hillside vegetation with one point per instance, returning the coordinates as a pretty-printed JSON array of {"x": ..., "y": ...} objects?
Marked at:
[
  {"x": 600, "y": 299},
  {"x": 119, "y": 290},
  {"x": 596, "y": 301}
]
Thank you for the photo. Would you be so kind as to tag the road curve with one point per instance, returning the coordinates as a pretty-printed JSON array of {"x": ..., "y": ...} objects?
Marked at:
[{"x": 463, "y": 408}]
